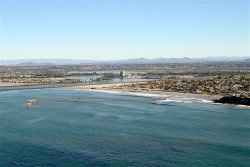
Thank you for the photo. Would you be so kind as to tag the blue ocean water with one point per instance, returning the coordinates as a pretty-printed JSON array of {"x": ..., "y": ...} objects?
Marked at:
[{"x": 87, "y": 128}]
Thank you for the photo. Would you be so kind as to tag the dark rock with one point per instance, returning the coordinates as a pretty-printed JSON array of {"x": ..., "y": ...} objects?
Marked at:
[{"x": 234, "y": 100}]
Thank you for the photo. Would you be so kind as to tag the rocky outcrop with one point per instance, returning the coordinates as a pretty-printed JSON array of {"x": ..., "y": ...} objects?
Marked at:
[
  {"x": 31, "y": 102},
  {"x": 234, "y": 100}
]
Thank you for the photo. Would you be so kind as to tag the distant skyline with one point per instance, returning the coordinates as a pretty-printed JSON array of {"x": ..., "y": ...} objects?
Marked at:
[{"x": 112, "y": 30}]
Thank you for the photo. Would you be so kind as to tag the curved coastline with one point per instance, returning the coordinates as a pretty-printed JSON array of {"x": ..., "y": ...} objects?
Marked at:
[
  {"x": 163, "y": 96},
  {"x": 158, "y": 95},
  {"x": 168, "y": 96}
]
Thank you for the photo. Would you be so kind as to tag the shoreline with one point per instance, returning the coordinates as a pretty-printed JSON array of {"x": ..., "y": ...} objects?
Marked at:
[
  {"x": 157, "y": 93},
  {"x": 117, "y": 88},
  {"x": 181, "y": 97}
]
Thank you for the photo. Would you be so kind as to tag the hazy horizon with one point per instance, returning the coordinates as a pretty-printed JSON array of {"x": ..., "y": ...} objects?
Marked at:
[
  {"x": 214, "y": 57},
  {"x": 117, "y": 30}
]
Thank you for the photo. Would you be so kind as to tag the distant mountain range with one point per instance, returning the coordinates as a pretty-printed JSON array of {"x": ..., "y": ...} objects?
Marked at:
[
  {"x": 45, "y": 62},
  {"x": 34, "y": 64}
]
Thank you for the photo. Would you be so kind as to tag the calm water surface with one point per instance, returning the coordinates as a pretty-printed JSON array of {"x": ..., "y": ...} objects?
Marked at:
[{"x": 88, "y": 128}]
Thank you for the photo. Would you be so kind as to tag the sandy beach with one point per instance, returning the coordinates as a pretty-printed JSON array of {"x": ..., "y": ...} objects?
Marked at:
[
  {"x": 123, "y": 87},
  {"x": 110, "y": 86},
  {"x": 11, "y": 84}
]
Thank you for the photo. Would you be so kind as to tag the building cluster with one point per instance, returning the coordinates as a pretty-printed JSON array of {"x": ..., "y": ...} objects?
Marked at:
[
  {"x": 155, "y": 69},
  {"x": 237, "y": 86},
  {"x": 34, "y": 81}
]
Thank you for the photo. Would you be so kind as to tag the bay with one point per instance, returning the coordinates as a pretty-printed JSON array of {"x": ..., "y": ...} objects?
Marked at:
[{"x": 70, "y": 127}]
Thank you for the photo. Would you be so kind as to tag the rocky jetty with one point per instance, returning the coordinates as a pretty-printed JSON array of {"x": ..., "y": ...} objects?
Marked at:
[{"x": 234, "y": 100}]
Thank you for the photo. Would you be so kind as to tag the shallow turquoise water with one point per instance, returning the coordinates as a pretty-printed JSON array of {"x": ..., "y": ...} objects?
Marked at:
[{"x": 103, "y": 129}]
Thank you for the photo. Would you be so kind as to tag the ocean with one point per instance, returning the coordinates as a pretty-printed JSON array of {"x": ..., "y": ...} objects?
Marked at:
[{"x": 75, "y": 128}]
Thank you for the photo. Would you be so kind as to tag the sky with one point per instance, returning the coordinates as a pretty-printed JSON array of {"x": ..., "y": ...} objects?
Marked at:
[{"x": 107, "y": 30}]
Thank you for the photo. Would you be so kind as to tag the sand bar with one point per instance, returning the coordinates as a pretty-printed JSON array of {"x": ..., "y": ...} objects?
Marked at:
[{"x": 122, "y": 87}]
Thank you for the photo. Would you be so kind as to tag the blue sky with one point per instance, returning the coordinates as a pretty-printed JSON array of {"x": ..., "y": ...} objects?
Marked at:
[{"x": 104, "y": 30}]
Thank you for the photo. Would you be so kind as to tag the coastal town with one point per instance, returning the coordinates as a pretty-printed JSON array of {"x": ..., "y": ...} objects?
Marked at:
[
  {"x": 233, "y": 85},
  {"x": 52, "y": 74},
  {"x": 125, "y": 83},
  {"x": 222, "y": 79}
]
